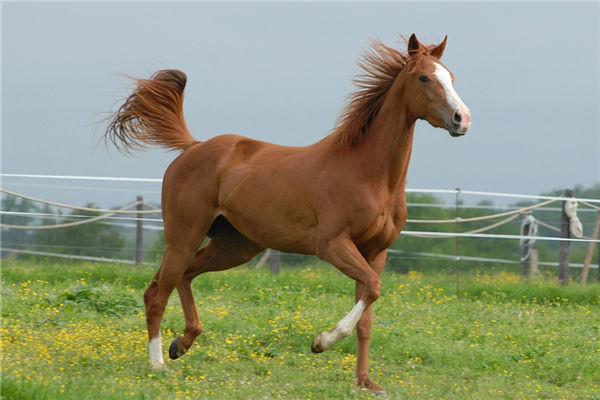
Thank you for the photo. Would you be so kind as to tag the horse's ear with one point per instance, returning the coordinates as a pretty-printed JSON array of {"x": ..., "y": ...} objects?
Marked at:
[
  {"x": 439, "y": 49},
  {"x": 413, "y": 45}
]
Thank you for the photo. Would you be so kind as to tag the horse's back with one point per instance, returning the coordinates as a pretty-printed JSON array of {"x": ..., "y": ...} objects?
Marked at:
[
  {"x": 210, "y": 157},
  {"x": 257, "y": 186}
]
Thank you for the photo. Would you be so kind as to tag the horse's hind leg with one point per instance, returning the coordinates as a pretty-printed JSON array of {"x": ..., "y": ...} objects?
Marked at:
[
  {"x": 182, "y": 241},
  {"x": 175, "y": 261},
  {"x": 220, "y": 254}
]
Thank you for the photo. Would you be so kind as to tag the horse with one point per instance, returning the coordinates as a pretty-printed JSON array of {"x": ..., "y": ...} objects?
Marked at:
[{"x": 341, "y": 198}]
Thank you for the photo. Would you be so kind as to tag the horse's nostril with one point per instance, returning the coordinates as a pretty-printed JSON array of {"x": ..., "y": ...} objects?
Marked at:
[{"x": 457, "y": 118}]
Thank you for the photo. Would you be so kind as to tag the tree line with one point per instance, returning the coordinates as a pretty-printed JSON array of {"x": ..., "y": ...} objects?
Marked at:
[{"x": 101, "y": 239}]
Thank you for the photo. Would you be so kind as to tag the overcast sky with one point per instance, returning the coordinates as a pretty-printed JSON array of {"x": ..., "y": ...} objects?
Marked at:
[{"x": 281, "y": 72}]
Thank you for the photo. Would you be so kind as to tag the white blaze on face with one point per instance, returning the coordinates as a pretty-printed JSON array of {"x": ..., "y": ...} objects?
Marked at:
[{"x": 443, "y": 76}]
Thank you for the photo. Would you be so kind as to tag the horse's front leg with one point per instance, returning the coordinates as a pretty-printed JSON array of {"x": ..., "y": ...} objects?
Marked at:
[
  {"x": 343, "y": 254},
  {"x": 363, "y": 334}
]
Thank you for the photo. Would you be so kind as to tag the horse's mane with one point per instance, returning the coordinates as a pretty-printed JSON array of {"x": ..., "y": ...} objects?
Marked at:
[{"x": 381, "y": 64}]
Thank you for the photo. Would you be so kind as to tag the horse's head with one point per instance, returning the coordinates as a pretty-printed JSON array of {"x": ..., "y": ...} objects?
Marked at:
[{"x": 430, "y": 91}]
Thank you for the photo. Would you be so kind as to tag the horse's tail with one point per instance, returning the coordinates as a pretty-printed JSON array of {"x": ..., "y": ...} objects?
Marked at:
[{"x": 152, "y": 115}]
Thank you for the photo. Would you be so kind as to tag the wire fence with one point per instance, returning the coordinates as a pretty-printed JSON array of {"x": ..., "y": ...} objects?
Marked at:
[{"x": 147, "y": 215}]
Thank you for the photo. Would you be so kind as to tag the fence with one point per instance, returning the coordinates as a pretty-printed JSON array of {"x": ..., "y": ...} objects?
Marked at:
[{"x": 136, "y": 214}]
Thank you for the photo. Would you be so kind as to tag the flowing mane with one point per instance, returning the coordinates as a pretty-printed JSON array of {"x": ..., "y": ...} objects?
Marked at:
[{"x": 381, "y": 64}]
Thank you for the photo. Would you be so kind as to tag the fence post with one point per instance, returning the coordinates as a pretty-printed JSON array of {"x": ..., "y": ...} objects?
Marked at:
[
  {"x": 534, "y": 272},
  {"x": 263, "y": 259},
  {"x": 565, "y": 232},
  {"x": 590, "y": 252},
  {"x": 138, "y": 232},
  {"x": 275, "y": 261},
  {"x": 457, "y": 257},
  {"x": 525, "y": 259}
]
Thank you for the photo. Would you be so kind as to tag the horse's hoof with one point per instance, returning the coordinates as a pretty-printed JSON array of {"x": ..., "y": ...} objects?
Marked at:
[
  {"x": 373, "y": 389},
  {"x": 174, "y": 352},
  {"x": 316, "y": 346},
  {"x": 379, "y": 392},
  {"x": 158, "y": 366}
]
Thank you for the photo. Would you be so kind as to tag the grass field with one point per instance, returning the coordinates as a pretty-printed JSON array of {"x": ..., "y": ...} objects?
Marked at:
[{"x": 77, "y": 331}]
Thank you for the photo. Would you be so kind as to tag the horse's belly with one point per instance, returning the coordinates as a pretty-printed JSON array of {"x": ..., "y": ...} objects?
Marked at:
[{"x": 275, "y": 231}]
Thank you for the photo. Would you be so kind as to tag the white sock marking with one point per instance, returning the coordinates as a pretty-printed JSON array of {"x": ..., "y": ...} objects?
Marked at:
[
  {"x": 344, "y": 327},
  {"x": 155, "y": 348}
]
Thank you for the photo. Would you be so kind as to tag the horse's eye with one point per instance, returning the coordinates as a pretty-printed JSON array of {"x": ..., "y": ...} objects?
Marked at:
[{"x": 423, "y": 79}]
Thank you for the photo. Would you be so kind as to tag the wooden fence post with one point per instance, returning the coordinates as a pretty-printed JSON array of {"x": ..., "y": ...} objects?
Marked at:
[
  {"x": 138, "y": 232},
  {"x": 565, "y": 232},
  {"x": 590, "y": 252},
  {"x": 263, "y": 259},
  {"x": 525, "y": 253},
  {"x": 534, "y": 272},
  {"x": 275, "y": 261}
]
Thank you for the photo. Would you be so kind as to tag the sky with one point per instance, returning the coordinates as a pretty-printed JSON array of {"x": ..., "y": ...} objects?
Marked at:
[{"x": 281, "y": 72}]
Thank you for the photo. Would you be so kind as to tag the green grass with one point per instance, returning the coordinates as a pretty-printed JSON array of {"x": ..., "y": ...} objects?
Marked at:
[{"x": 77, "y": 331}]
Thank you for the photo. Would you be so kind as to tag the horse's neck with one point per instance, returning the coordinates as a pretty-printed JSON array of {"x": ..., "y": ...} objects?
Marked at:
[{"x": 388, "y": 144}]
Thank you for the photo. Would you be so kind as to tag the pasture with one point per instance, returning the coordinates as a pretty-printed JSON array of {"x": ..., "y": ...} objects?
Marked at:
[{"x": 77, "y": 331}]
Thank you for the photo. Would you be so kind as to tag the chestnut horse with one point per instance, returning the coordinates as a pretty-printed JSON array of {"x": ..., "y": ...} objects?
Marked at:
[{"x": 341, "y": 198}]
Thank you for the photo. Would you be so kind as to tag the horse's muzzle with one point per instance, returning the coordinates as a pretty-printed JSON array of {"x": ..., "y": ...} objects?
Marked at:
[{"x": 461, "y": 122}]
